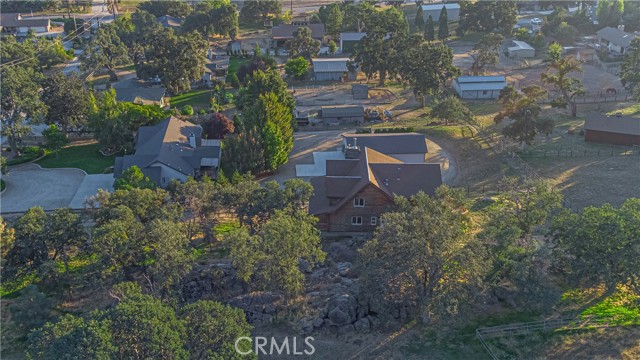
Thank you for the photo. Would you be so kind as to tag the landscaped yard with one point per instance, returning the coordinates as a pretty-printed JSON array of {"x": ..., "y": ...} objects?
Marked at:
[
  {"x": 85, "y": 157},
  {"x": 197, "y": 98},
  {"x": 235, "y": 62}
]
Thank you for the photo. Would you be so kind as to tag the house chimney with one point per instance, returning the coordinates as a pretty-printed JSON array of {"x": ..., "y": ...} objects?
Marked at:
[{"x": 192, "y": 140}]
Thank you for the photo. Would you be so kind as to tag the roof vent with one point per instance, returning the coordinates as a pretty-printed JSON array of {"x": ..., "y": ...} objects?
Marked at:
[{"x": 192, "y": 140}]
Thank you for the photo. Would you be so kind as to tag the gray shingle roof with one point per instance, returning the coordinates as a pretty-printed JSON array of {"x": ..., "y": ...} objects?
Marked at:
[
  {"x": 167, "y": 143},
  {"x": 141, "y": 95},
  {"x": 403, "y": 143},
  {"x": 612, "y": 123},
  {"x": 616, "y": 36},
  {"x": 286, "y": 31}
]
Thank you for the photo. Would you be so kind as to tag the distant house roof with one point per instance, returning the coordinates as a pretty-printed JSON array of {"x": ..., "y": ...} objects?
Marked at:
[
  {"x": 286, "y": 31},
  {"x": 141, "y": 95},
  {"x": 520, "y": 45},
  {"x": 168, "y": 143},
  {"x": 473, "y": 83},
  {"x": 342, "y": 111},
  {"x": 401, "y": 143},
  {"x": 330, "y": 65},
  {"x": 432, "y": 7},
  {"x": 616, "y": 36},
  {"x": 345, "y": 178},
  {"x": 352, "y": 36},
  {"x": 170, "y": 21},
  {"x": 16, "y": 20},
  {"x": 612, "y": 123}
]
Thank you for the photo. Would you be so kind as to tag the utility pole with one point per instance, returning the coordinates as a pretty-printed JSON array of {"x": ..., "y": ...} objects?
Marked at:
[{"x": 75, "y": 24}]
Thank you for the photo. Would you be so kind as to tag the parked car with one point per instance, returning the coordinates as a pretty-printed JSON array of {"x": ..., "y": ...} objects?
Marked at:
[
  {"x": 536, "y": 21},
  {"x": 374, "y": 115},
  {"x": 387, "y": 114}
]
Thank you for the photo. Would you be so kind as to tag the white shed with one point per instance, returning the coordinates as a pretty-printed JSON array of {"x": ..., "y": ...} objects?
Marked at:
[
  {"x": 521, "y": 50},
  {"x": 479, "y": 87}
]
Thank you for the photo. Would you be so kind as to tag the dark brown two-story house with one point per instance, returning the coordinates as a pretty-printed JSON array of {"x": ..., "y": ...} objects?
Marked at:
[{"x": 355, "y": 192}]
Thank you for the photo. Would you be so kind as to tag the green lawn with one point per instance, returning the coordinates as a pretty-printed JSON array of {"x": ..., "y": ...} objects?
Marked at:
[
  {"x": 235, "y": 62},
  {"x": 196, "y": 98},
  {"x": 85, "y": 157}
]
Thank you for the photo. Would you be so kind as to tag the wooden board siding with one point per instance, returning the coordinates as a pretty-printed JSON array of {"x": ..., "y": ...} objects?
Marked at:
[
  {"x": 376, "y": 202},
  {"x": 611, "y": 138}
]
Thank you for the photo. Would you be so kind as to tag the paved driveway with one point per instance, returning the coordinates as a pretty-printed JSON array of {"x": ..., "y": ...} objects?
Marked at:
[{"x": 30, "y": 185}]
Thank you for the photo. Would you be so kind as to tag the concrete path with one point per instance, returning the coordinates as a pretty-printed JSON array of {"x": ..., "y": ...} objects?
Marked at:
[
  {"x": 448, "y": 165},
  {"x": 30, "y": 185},
  {"x": 89, "y": 187}
]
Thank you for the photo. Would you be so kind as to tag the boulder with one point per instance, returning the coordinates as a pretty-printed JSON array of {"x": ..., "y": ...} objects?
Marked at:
[
  {"x": 342, "y": 309},
  {"x": 362, "y": 325},
  {"x": 346, "y": 329},
  {"x": 318, "y": 322}
]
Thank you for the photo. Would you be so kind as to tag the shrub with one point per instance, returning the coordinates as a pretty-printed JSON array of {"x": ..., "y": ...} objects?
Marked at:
[{"x": 187, "y": 110}]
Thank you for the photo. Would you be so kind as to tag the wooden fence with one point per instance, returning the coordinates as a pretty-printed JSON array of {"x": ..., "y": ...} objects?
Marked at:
[{"x": 564, "y": 323}]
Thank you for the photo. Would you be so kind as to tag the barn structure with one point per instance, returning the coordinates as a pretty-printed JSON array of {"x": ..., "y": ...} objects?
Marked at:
[
  {"x": 521, "y": 50},
  {"x": 453, "y": 11},
  {"x": 332, "y": 69},
  {"x": 612, "y": 129},
  {"x": 479, "y": 87},
  {"x": 342, "y": 115}
]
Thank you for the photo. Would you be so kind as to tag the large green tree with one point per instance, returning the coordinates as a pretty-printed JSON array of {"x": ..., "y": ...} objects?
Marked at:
[
  {"x": 212, "y": 330},
  {"x": 443, "y": 24},
  {"x": 67, "y": 99},
  {"x": 20, "y": 100},
  {"x": 303, "y": 44},
  {"x": 452, "y": 110},
  {"x": 105, "y": 51},
  {"x": 219, "y": 18},
  {"x": 335, "y": 20},
  {"x": 427, "y": 67},
  {"x": 429, "y": 30},
  {"x": 271, "y": 258},
  {"x": 274, "y": 120},
  {"x": 41, "y": 240},
  {"x": 630, "y": 70},
  {"x": 260, "y": 10},
  {"x": 487, "y": 16},
  {"x": 601, "y": 245},
  {"x": 424, "y": 254},
  {"x": 558, "y": 76},
  {"x": 378, "y": 52},
  {"x": 175, "y": 8},
  {"x": 487, "y": 51},
  {"x": 522, "y": 108},
  {"x": 297, "y": 67},
  {"x": 418, "y": 22},
  {"x": 521, "y": 262}
]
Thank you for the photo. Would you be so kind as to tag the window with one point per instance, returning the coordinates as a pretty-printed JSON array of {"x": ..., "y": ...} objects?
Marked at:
[
  {"x": 484, "y": 92},
  {"x": 356, "y": 220},
  {"x": 358, "y": 202},
  {"x": 374, "y": 220}
]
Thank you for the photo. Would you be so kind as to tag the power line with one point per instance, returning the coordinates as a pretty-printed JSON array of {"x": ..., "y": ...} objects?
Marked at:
[{"x": 63, "y": 40}]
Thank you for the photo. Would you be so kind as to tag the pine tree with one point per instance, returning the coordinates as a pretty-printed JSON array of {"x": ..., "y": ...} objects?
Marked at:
[
  {"x": 443, "y": 29},
  {"x": 429, "y": 31},
  {"x": 419, "y": 21}
]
